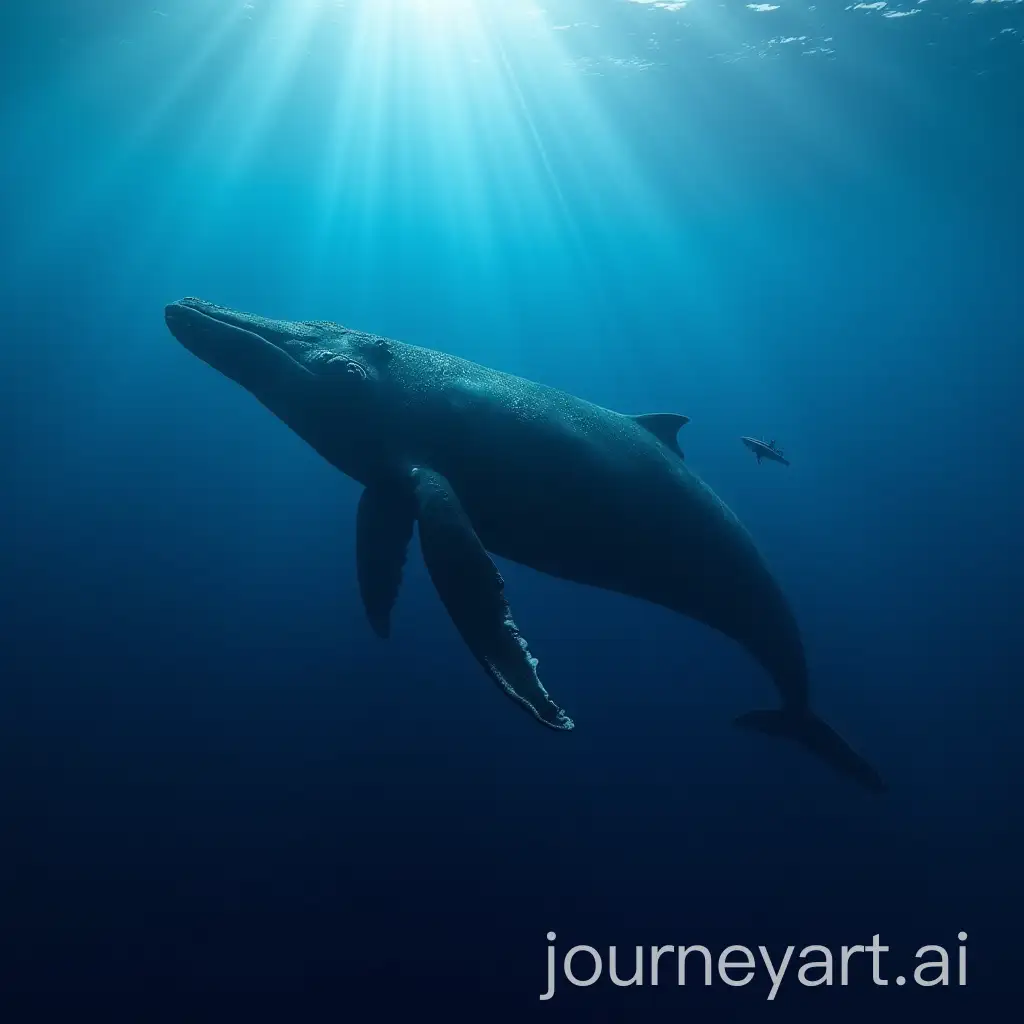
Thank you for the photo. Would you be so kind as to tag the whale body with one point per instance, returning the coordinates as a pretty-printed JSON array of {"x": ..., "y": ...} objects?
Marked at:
[{"x": 483, "y": 462}]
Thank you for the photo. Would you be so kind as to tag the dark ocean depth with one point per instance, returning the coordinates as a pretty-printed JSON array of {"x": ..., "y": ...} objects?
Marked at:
[{"x": 222, "y": 796}]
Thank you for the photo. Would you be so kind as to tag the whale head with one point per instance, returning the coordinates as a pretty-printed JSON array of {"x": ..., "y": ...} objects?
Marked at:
[{"x": 320, "y": 378}]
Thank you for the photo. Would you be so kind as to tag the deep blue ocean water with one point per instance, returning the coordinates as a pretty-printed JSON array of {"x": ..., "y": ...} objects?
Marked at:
[{"x": 223, "y": 795}]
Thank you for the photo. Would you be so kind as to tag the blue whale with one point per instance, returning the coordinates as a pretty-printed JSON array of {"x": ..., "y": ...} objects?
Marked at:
[{"x": 483, "y": 462}]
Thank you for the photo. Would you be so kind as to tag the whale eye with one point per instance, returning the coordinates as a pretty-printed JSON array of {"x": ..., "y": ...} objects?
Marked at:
[{"x": 343, "y": 366}]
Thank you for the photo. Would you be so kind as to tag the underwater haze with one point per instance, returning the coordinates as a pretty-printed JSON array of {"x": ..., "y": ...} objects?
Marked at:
[{"x": 222, "y": 794}]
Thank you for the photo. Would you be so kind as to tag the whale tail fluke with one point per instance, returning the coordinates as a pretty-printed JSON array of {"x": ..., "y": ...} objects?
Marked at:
[{"x": 819, "y": 738}]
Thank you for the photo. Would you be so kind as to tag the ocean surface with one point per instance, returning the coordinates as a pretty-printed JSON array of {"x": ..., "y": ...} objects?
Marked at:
[{"x": 222, "y": 795}]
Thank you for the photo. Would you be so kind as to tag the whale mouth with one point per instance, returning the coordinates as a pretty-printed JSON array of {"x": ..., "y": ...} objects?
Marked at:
[
  {"x": 249, "y": 349},
  {"x": 228, "y": 340},
  {"x": 192, "y": 319}
]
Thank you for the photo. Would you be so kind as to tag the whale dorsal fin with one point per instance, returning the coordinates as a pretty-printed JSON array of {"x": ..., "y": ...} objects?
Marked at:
[{"x": 664, "y": 426}]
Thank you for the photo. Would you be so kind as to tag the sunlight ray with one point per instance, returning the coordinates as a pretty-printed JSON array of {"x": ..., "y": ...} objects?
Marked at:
[
  {"x": 203, "y": 40},
  {"x": 262, "y": 79},
  {"x": 207, "y": 40}
]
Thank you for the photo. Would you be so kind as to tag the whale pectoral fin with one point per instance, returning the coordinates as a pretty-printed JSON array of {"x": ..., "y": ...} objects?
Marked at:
[
  {"x": 384, "y": 523},
  {"x": 473, "y": 592}
]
